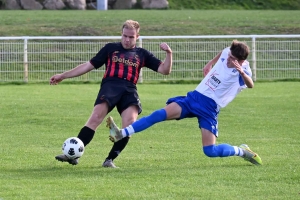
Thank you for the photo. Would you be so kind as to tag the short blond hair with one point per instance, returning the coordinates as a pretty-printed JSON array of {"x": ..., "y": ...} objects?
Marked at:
[{"x": 130, "y": 24}]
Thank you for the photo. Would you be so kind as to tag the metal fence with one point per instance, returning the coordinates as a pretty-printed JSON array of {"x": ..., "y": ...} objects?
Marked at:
[{"x": 38, "y": 58}]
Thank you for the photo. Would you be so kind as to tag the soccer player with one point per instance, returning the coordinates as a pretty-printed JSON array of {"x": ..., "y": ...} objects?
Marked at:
[
  {"x": 123, "y": 63},
  {"x": 229, "y": 75}
]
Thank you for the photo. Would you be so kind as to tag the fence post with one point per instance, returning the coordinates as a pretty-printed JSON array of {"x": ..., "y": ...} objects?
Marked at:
[
  {"x": 25, "y": 61},
  {"x": 141, "y": 72},
  {"x": 101, "y": 4},
  {"x": 253, "y": 59}
]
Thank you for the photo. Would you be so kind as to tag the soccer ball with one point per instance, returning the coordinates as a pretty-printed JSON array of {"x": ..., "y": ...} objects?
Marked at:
[{"x": 73, "y": 148}]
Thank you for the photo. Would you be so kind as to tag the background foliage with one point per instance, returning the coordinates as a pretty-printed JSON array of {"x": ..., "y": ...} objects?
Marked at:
[
  {"x": 225, "y": 4},
  {"x": 235, "y": 4}
]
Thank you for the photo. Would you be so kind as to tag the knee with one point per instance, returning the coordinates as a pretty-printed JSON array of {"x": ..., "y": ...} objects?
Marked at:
[
  {"x": 127, "y": 121},
  {"x": 94, "y": 120},
  {"x": 210, "y": 151}
]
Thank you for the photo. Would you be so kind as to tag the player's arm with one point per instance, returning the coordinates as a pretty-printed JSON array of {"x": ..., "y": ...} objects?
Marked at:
[
  {"x": 247, "y": 79},
  {"x": 209, "y": 65},
  {"x": 77, "y": 71},
  {"x": 166, "y": 66}
]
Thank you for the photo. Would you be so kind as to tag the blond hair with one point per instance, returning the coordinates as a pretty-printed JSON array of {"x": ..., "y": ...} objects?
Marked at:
[{"x": 130, "y": 24}]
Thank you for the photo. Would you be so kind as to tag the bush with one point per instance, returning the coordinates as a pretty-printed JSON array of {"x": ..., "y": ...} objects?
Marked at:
[{"x": 236, "y": 4}]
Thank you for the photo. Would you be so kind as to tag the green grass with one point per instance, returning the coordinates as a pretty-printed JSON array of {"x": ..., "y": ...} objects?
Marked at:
[
  {"x": 163, "y": 162},
  {"x": 153, "y": 22}
]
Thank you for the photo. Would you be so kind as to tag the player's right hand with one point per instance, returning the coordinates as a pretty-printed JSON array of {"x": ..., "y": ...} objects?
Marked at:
[{"x": 54, "y": 80}]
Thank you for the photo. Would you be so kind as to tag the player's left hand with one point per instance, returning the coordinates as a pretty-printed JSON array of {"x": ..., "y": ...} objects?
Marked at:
[
  {"x": 237, "y": 66},
  {"x": 165, "y": 47}
]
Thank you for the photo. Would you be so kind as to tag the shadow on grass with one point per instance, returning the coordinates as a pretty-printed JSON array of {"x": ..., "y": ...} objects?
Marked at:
[{"x": 83, "y": 171}]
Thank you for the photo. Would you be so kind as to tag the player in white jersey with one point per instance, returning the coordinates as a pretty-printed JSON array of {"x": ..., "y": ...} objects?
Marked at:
[
  {"x": 223, "y": 83},
  {"x": 229, "y": 75}
]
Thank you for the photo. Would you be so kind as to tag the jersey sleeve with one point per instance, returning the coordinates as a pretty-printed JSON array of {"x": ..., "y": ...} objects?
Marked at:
[
  {"x": 246, "y": 68},
  {"x": 101, "y": 57},
  {"x": 248, "y": 71},
  {"x": 151, "y": 61},
  {"x": 225, "y": 52}
]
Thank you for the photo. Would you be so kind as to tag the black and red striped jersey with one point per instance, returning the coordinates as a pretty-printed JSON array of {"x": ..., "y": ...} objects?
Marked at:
[{"x": 124, "y": 63}]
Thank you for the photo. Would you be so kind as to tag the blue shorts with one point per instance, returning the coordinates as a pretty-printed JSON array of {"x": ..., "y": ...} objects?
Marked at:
[{"x": 197, "y": 105}]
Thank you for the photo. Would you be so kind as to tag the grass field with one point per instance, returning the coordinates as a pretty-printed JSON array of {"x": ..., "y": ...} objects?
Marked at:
[
  {"x": 153, "y": 22},
  {"x": 163, "y": 162}
]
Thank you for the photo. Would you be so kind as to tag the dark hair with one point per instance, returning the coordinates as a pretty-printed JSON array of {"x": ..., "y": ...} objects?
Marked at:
[{"x": 239, "y": 50}]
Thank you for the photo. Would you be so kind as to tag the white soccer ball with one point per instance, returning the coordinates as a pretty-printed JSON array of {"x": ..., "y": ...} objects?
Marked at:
[{"x": 73, "y": 148}]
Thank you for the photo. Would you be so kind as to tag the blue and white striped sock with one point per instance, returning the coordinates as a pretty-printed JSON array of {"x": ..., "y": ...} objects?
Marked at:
[
  {"x": 145, "y": 122},
  {"x": 238, "y": 151}
]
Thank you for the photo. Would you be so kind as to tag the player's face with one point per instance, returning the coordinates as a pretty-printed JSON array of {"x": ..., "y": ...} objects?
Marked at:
[
  {"x": 230, "y": 60},
  {"x": 129, "y": 37}
]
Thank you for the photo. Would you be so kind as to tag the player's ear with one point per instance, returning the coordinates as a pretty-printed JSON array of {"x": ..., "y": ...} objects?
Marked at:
[{"x": 241, "y": 62}]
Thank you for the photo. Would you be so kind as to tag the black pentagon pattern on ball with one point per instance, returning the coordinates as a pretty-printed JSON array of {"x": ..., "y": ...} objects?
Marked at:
[
  {"x": 73, "y": 141},
  {"x": 81, "y": 149},
  {"x": 71, "y": 152}
]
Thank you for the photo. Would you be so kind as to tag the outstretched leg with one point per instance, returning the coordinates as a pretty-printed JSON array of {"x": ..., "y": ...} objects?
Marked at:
[
  {"x": 117, "y": 134},
  {"x": 210, "y": 149},
  {"x": 171, "y": 111}
]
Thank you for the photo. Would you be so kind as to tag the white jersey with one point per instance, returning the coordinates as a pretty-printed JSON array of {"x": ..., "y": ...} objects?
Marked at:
[{"x": 222, "y": 84}]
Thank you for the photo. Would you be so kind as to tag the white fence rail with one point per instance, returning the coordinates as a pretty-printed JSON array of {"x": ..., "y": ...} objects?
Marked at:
[{"x": 38, "y": 58}]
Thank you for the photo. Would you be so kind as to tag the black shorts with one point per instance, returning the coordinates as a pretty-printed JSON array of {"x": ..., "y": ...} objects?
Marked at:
[{"x": 120, "y": 93}]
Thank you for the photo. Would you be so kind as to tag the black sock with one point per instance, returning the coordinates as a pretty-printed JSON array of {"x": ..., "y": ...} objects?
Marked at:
[
  {"x": 86, "y": 135},
  {"x": 117, "y": 148}
]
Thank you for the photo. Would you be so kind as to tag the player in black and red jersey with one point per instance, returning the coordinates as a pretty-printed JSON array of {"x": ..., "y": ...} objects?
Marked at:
[{"x": 123, "y": 63}]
